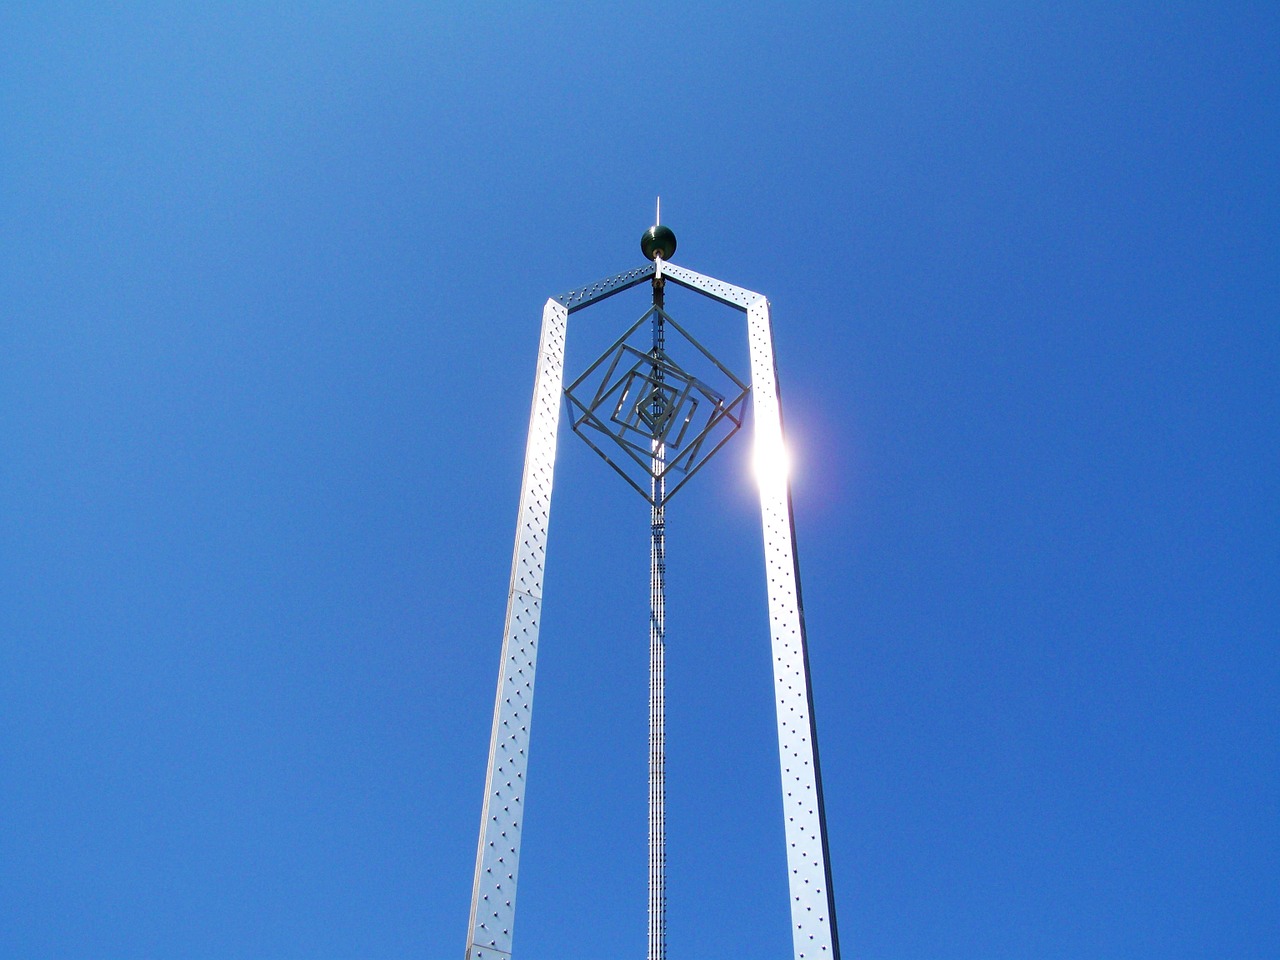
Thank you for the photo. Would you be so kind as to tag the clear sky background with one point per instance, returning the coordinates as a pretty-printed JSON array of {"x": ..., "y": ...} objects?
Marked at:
[{"x": 270, "y": 280}]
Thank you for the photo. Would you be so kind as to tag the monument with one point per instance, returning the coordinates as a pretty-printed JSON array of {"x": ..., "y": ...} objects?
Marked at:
[{"x": 656, "y": 405}]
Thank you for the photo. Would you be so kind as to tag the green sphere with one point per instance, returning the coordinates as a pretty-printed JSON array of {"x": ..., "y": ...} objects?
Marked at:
[{"x": 658, "y": 241}]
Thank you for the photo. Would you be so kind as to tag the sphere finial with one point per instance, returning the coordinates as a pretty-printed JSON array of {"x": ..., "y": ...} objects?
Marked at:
[{"x": 658, "y": 241}]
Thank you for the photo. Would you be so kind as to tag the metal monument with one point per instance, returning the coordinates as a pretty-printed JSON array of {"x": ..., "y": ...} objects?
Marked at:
[{"x": 656, "y": 406}]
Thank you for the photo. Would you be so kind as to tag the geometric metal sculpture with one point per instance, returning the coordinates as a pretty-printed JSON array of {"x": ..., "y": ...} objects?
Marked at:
[
  {"x": 634, "y": 395},
  {"x": 655, "y": 411}
]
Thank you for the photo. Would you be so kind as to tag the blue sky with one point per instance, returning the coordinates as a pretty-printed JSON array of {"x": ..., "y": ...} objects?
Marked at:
[{"x": 272, "y": 277}]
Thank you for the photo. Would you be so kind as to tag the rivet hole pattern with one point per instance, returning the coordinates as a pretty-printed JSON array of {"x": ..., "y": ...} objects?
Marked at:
[
  {"x": 810, "y": 901},
  {"x": 498, "y": 854}
]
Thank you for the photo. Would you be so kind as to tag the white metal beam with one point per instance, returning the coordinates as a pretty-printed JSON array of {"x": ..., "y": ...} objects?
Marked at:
[
  {"x": 813, "y": 918},
  {"x": 493, "y": 896}
]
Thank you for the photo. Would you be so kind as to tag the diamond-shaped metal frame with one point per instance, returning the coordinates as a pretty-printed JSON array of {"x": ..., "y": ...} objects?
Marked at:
[
  {"x": 643, "y": 396},
  {"x": 653, "y": 392}
]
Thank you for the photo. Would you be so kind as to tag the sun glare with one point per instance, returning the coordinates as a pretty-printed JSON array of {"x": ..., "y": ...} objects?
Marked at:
[{"x": 770, "y": 459}]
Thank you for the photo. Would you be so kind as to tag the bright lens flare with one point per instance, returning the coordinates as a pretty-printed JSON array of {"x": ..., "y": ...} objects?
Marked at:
[{"x": 770, "y": 459}]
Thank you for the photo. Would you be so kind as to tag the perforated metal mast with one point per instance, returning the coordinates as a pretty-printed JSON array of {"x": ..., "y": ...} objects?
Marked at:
[
  {"x": 656, "y": 408},
  {"x": 657, "y": 644}
]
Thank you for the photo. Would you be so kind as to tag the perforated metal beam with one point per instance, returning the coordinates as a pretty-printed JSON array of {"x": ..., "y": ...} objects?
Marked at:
[
  {"x": 575, "y": 300},
  {"x": 493, "y": 896},
  {"x": 711, "y": 287},
  {"x": 813, "y": 915}
]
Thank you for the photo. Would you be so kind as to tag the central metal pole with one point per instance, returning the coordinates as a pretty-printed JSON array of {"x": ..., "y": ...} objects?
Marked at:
[{"x": 657, "y": 663}]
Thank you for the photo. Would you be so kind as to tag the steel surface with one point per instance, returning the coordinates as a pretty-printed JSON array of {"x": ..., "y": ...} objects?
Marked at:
[
  {"x": 493, "y": 897},
  {"x": 575, "y": 300},
  {"x": 711, "y": 287},
  {"x": 813, "y": 918}
]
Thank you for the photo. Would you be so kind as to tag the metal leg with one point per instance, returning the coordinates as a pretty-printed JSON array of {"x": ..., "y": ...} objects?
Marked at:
[
  {"x": 813, "y": 917},
  {"x": 493, "y": 897}
]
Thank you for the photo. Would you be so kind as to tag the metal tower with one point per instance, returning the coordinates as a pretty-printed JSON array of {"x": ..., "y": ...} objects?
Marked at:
[{"x": 656, "y": 406}]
